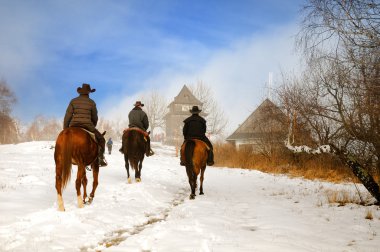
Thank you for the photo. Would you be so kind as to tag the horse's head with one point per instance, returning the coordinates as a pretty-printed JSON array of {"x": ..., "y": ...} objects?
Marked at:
[{"x": 102, "y": 141}]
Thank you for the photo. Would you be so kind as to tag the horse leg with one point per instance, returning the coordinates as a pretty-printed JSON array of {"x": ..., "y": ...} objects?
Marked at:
[
  {"x": 78, "y": 183},
  {"x": 127, "y": 167},
  {"x": 95, "y": 174},
  {"x": 84, "y": 183},
  {"x": 193, "y": 186},
  {"x": 202, "y": 177},
  {"x": 192, "y": 181},
  {"x": 135, "y": 167},
  {"x": 58, "y": 186},
  {"x": 138, "y": 171}
]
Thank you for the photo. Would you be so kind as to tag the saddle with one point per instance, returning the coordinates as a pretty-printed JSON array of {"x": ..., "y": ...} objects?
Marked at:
[
  {"x": 92, "y": 135},
  {"x": 196, "y": 139},
  {"x": 145, "y": 134}
]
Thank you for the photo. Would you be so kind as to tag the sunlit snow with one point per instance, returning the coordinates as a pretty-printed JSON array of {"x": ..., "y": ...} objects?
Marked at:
[{"x": 242, "y": 210}]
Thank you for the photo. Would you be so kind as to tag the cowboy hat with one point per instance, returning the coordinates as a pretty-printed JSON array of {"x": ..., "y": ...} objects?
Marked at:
[
  {"x": 138, "y": 103},
  {"x": 85, "y": 89},
  {"x": 195, "y": 110}
]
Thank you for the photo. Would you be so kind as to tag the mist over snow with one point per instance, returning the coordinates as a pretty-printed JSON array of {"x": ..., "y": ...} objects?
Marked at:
[
  {"x": 125, "y": 49},
  {"x": 241, "y": 210},
  {"x": 237, "y": 76}
]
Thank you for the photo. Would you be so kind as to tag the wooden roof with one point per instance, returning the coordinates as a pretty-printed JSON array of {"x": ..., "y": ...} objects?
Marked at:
[
  {"x": 185, "y": 97},
  {"x": 266, "y": 119}
]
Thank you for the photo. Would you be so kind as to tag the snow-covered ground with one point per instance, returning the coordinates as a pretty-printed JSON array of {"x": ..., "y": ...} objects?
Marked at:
[{"x": 241, "y": 210}]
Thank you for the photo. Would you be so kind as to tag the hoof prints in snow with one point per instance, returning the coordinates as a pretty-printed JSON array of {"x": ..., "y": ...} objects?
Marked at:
[{"x": 116, "y": 237}]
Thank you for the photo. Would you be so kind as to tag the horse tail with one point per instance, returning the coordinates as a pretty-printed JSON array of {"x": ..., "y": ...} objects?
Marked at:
[
  {"x": 189, "y": 151},
  {"x": 67, "y": 151}
]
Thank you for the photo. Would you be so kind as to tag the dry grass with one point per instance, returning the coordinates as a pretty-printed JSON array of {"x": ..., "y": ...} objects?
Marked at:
[
  {"x": 342, "y": 197},
  {"x": 322, "y": 167}
]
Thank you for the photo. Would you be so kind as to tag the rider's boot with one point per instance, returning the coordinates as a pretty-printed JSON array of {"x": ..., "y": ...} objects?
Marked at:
[
  {"x": 101, "y": 158},
  {"x": 148, "y": 150},
  {"x": 210, "y": 158}
]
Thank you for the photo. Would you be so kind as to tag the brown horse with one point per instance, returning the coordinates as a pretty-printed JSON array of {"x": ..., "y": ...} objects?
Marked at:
[
  {"x": 134, "y": 143},
  {"x": 195, "y": 153},
  {"x": 75, "y": 146}
]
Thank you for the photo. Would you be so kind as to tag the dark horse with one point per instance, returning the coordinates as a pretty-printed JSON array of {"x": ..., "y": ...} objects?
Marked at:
[
  {"x": 75, "y": 146},
  {"x": 133, "y": 147},
  {"x": 195, "y": 153}
]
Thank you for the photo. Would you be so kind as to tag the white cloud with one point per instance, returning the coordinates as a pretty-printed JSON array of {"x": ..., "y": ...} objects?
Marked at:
[
  {"x": 238, "y": 75},
  {"x": 126, "y": 49}
]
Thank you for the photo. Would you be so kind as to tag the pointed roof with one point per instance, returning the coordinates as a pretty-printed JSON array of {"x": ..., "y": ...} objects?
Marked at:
[
  {"x": 250, "y": 128},
  {"x": 185, "y": 96}
]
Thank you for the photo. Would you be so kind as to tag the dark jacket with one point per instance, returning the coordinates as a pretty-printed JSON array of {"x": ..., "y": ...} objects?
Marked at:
[
  {"x": 195, "y": 127},
  {"x": 138, "y": 118},
  {"x": 109, "y": 142},
  {"x": 81, "y": 112}
]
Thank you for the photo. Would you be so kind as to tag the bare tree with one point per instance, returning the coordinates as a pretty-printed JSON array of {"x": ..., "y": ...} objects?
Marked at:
[
  {"x": 110, "y": 127},
  {"x": 43, "y": 129},
  {"x": 269, "y": 127},
  {"x": 9, "y": 132},
  {"x": 216, "y": 120},
  {"x": 308, "y": 121},
  {"x": 340, "y": 93},
  {"x": 156, "y": 109}
]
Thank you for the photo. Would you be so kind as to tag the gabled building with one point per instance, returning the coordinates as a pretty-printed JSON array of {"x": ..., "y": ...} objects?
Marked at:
[
  {"x": 178, "y": 112},
  {"x": 265, "y": 126}
]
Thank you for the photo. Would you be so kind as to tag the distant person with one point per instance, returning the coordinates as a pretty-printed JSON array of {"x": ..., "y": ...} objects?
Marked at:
[
  {"x": 82, "y": 112},
  {"x": 195, "y": 127},
  {"x": 109, "y": 145},
  {"x": 139, "y": 119}
]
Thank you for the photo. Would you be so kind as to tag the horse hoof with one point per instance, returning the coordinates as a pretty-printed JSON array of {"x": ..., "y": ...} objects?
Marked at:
[
  {"x": 138, "y": 180},
  {"x": 192, "y": 196},
  {"x": 201, "y": 193},
  {"x": 61, "y": 209},
  {"x": 89, "y": 201},
  {"x": 129, "y": 180}
]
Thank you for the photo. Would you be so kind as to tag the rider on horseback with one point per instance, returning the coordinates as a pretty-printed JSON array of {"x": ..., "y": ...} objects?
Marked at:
[
  {"x": 82, "y": 112},
  {"x": 195, "y": 127},
  {"x": 138, "y": 118}
]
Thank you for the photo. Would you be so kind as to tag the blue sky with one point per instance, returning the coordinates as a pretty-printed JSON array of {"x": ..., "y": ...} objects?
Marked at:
[{"x": 127, "y": 48}]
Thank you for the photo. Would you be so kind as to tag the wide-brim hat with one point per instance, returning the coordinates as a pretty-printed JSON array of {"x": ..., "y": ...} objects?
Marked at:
[
  {"x": 138, "y": 103},
  {"x": 195, "y": 110},
  {"x": 85, "y": 89}
]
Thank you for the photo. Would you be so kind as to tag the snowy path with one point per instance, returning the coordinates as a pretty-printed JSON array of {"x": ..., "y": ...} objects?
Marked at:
[{"x": 241, "y": 210}]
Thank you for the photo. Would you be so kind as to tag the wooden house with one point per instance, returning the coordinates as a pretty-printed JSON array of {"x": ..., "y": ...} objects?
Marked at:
[
  {"x": 179, "y": 110},
  {"x": 264, "y": 128}
]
